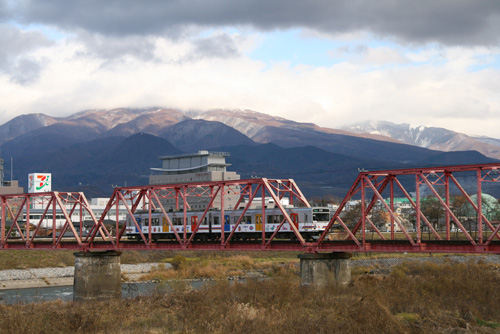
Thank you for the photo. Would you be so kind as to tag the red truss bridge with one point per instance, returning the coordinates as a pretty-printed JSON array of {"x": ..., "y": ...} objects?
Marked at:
[{"x": 368, "y": 219}]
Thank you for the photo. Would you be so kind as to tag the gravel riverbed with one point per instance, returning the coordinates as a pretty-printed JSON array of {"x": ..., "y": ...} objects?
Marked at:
[
  {"x": 24, "y": 278},
  {"x": 28, "y": 278},
  {"x": 24, "y": 274}
]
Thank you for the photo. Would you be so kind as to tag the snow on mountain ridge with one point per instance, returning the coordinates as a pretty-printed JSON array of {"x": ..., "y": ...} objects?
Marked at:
[
  {"x": 250, "y": 129},
  {"x": 429, "y": 137}
]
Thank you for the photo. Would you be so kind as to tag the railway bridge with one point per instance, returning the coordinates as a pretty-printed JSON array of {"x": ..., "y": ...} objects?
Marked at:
[{"x": 375, "y": 192}]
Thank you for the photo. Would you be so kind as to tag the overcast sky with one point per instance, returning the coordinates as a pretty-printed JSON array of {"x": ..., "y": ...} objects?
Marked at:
[{"x": 333, "y": 63}]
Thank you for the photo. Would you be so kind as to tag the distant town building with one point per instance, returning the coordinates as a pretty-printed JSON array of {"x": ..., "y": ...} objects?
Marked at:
[
  {"x": 8, "y": 187},
  {"x": 200, "y": 167}
]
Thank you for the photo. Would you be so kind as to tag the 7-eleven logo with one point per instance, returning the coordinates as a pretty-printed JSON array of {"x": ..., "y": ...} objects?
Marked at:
[
  {"x": 42, "y": 181},
  {"x": 39, "y": 182}
]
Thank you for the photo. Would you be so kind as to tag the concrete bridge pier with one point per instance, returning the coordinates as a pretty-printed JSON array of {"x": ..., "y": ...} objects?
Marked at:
[
  {"x": 97, "y": 276},
  {"x": 325, "y": 268}
]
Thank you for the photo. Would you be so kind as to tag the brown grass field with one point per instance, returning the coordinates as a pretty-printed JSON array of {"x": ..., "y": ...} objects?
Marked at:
[
  {"x": 414, "y": 298},
  {"x": 24, "y": 259}
]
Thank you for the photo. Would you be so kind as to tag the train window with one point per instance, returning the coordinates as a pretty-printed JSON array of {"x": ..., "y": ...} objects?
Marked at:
[
  {"x": 146, "y": 221},
  {"x": 216, "y": 220},
  {"x": 275, "y": 219},
  {"x": 155, "y": 221},
  {"x": 247, "y": 219},
  {"x": 205, "y": 221},
  {"x": 177, "y": 221},
  {"x": 321, "y": 216}
]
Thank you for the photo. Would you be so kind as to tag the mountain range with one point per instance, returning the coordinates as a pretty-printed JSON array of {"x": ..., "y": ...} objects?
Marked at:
[
  {"x": 94, "y": 150},
  {"x": 429, "y": 137}
]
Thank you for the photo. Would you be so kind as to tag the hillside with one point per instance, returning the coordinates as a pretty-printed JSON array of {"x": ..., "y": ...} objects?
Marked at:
[
  {"x": 430, "y": 137},
  {"x": 94, "y": 150}
]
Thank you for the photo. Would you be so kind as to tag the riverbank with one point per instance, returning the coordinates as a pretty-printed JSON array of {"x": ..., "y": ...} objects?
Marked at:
[
  {"x": 416, "y": 297},
  {"x": 63, "y": 276},
  {"x": 57, "y": 276}
]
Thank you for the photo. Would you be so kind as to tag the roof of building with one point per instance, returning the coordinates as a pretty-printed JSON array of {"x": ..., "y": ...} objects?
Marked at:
[
  {"x": 188, "y": 168},
  {"x": 199, "y": 154}
]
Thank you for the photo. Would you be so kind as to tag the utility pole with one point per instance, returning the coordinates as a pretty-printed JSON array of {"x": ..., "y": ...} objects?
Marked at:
[{"x": 1, "y": 172}]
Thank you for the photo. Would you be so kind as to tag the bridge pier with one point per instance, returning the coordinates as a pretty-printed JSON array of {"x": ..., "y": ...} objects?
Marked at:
[
  {"x": 325, "y": 268},
  {"x": 97, "y": 276}
]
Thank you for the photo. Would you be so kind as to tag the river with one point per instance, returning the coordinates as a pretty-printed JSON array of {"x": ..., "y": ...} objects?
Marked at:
[{"x": 65, "y": 293}]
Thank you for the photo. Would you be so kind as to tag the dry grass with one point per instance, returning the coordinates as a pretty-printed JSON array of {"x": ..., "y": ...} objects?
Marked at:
[
  {"x": 415, "y": 298},
  {"x": 218, "y": 267},
  {"x": 24, "y": 259}
]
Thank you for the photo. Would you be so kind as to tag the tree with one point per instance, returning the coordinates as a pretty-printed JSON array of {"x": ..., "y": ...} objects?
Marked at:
[
  {"x": 432, "y": 210},
  {"x": 352, "y": 215}
]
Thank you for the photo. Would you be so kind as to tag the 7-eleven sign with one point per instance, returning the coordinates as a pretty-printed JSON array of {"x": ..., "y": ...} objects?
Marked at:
[{"x": 39, "y": 182}]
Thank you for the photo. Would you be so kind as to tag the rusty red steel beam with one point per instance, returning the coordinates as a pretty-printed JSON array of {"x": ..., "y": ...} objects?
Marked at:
[{"x": 292, "y": 246}]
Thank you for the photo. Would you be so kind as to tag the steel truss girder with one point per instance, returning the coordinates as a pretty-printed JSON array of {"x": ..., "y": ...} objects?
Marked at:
[
  {"x": 16, "y": 207},
  {"x": 376, "y": 182},
  {"x": 371, "y": 186}
]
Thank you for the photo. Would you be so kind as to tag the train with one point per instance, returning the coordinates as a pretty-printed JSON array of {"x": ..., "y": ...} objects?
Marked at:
[{"x": 310, "y": 222}]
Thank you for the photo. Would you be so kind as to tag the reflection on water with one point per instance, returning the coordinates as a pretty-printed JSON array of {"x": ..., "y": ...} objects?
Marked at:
[
  {"x": 129, "y": 290},
  {"x": 65, "y": 293}
]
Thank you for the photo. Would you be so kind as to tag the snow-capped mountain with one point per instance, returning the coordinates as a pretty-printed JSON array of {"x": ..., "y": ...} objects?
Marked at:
[
  {"x": 261, "y": 127},
  {"x": 97, "y": 148},
  {"x": 24, "y": 124},
  {"x": 429, "y": 137}
]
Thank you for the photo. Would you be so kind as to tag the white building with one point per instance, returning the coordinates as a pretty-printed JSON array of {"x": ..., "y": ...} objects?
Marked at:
[{"x": 200, "y": 167}]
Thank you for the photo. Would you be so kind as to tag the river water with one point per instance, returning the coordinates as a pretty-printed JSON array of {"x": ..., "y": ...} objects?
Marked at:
[{"x": 65, "y": 293}]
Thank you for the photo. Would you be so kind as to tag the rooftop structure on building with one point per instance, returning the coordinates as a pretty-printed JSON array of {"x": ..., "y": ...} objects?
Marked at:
[
  {"x": 200, "y": 167},
  {"x": 203, "y": 161}
]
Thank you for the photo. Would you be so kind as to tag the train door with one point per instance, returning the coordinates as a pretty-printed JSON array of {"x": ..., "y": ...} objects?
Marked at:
[
  {"x": 258, "y": 222},
  {"x": 227, "y": 225},
  {"x": 209, "y": 222},
  {"x": 138, "y": 219},
  {"x": 194, "y": 223},
  {"x": 164, "y": 225},
  {"x": 295, "y": 219},
  {"x": 216, "y": 224}
]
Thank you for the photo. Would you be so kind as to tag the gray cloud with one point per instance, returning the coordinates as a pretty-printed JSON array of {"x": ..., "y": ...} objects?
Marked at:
[
  {"x": 24, "y": 71},
  {"x": 220, "y": 46},
  {"x": 3, "y": 11},
  {"x": 113, "y": 48},
  {"x": 15, "y": 41},
  {"x": 451, "y": 22},
  {"x": 14, "y": 53}
]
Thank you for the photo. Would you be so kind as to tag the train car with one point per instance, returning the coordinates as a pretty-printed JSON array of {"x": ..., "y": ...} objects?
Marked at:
[{"x": 310, "y": 222}]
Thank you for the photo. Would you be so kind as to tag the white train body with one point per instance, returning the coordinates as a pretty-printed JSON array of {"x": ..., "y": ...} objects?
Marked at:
[{"x": 310, "y": 222}]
